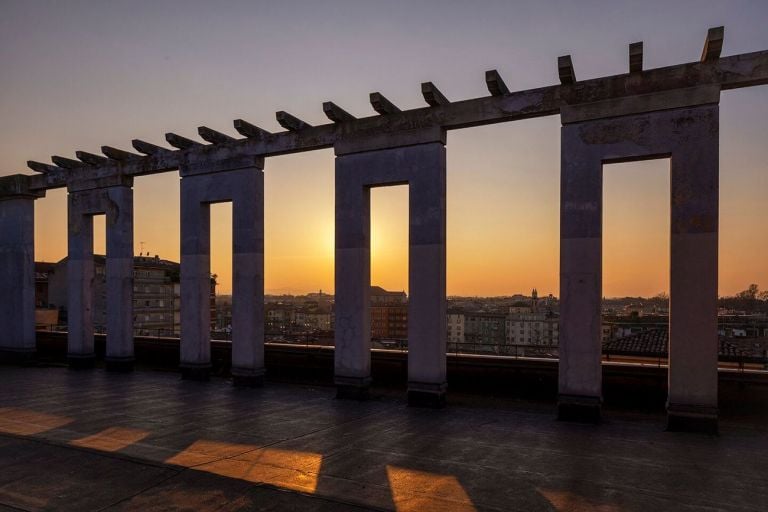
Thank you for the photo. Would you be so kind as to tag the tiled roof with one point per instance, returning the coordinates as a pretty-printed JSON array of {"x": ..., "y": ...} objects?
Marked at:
[{"x": 655, "y": 342}]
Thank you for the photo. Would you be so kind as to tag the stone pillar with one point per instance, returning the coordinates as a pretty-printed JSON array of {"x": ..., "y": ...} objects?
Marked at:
[
  {"x": 420, "y": 162},
  {"x": 80, "y": 285},
  {"x": 248, "y": 278},
  {"x": 427, "y": 327},
  {"x": 195, "y": 361},
  {"x": 119, "y": 212},
  {"x": 242, "y": 183},
  {"x": 114, "y": 199},
  {"x": 352, "y": 335},
  {"x": 693, "y": 338},
  {"x": 580, "y": 370},
  {"x": 17, "y": 269}
]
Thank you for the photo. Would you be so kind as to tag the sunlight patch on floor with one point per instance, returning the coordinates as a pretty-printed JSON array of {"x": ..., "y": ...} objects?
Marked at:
[
  {"x": 572, "y": 502},
  {"x": 26, "y": 422},
  {"x": 112, "y": 439},
  {"x": 421, "y": 491}
]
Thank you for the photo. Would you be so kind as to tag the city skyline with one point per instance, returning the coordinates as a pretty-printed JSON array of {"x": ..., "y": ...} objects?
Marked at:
[{"x": 503, "y": 181}]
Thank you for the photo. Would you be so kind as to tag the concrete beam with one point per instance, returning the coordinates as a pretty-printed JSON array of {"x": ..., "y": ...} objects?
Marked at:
[
  {"x": 118, "y": 154},
  {"x": 148, "y": 148},
  {"x": 636, "y": 57},
  {"x": 713, "y": 44},
  {"x": 66, "y": 163},
  {"x": 289, "y": 122},
  {"x": 337, "y": 114},
  {"x": 90, "y": 158},
  {"x": 42, "y": 168},
  {"x": 180, "y": 142},
  {"x": 733, "y": 72},
  {"x": 382, "y": 105},
  {"x": 249, "y": 130},
  {"x": 432, "y": 95},
  {"x": 212, "y": 136},
  {"x": 565, "y": 70},
  {"x": 495, "y": 83}
]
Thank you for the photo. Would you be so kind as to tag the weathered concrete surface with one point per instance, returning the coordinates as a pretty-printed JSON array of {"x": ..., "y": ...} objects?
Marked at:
[
  {"x": 153, "y": 442},
  {"x": 116, "y": 202},
  {"x": 745, "y": 70},
  {"x": 245, "y": 188},
  {"x": 690, "y": 137},
  {"x": 422, "y": 167},
  {"x": 17, "y": 276}
]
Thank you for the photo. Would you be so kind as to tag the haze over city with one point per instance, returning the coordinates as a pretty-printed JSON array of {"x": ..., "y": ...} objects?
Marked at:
[{"x": 78, "y": 75}]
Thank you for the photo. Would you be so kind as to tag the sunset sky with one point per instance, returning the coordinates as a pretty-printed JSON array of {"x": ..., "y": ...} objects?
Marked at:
[{"x": 77, "y": 75}]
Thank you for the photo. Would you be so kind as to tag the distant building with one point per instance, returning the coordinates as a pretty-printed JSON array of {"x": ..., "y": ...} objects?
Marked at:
[
  {"x": 156, "y": 295},
  {"x": 485, "y": 332},
  {"x": 389, "y": 314},
  {"x": 456, "y": 329}
]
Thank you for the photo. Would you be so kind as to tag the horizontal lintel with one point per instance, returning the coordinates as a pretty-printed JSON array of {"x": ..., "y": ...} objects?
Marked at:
[
  {"x": 495, "y": 83},
  {"x": 382, "y": 105},
  {"x": 289, "y": 122},
  {"x": 213, "y": 136},
  {"x": 66, "y": 163},
  {"x": 118, "y": 154},
  {"x": 565, "y": 70},
  {"x": 636, "y": 57},
  {"x": 180, "y": 142},
  {"x": 713, "y": 45},
  {"x": 148, "y": 148},
  {"x": 249, "y": 130},
  {"x": 337, "y": 114},
  {"x": 432, "y": 95}
]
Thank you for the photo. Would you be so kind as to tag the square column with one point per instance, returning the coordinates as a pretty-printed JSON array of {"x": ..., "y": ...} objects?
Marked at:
[
  {"x": 580, "y": 370},
  {"x": 116, "y": 202},
  {"x": 17, "y": 271},
  {"x": 359, "y": 167},
  {"x": 693, "y": 338},
  {"x": 119, "y": 211},
  {"x": 352, "y": 334},
  {"x": 80, "y": 277},
  {"x": 202, "y": 185},
  {"x": 427, "y": 324}
]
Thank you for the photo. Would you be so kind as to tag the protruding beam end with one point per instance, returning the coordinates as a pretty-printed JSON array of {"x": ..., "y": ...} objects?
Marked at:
[
  {"x": 290, "y": 122},
  {"x": 382, "y": 105},
  {"x": 432, "y": 95},
  {"x": 713, "y": 45},
  {"x": 249, "y": 130},
  {"x": 41, "y": 167},
  {"x": 496, "y": 85},
  {"x": 180, "y": 142},
  {"x": 565, "y": 70},
  {"x": 636, "y": 57},
  {"x": 212, "y": 136},
  {"x": 148, "y": 148},
  {"x": 118, "y": 154},
  {"x": 336, "y": 114},
  {"x": 90, "y": 158},
  {"x": 66, "y": 163}
]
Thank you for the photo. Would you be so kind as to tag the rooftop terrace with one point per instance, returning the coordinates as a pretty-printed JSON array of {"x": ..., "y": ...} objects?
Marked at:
[{"x": 150, "y": 441}]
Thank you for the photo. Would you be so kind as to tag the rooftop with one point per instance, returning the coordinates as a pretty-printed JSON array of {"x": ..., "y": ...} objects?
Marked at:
[{"x": 149, "y": 441}]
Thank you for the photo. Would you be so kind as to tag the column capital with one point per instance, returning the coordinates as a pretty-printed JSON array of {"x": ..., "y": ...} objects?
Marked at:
[{"x": 17, "y": 186}]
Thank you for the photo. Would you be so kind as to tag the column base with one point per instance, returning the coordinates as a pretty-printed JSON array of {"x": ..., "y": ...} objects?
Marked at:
[
  {"x": 352, "y": 388},
  {"x": 195, "y": 372},
  {"x": 429, "y": 395},
  {"x": 692, "y": 418},
  {"x": 247, "y": 378},
  {"x": 81, "y": 361},
  {"x": 21, "y": 356},
  {"x": 581, "y": 409},
  {"x": 119, "y": 364}
]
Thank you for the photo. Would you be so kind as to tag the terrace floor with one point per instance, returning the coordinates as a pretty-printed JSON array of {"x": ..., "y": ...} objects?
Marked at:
[{"x": 148, "y": 441}]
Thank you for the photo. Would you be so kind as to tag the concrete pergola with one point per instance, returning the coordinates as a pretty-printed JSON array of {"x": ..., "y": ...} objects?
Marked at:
[{"x": 669, "y": 112}]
